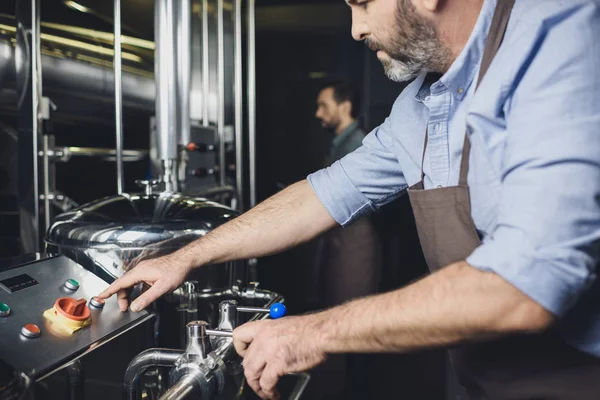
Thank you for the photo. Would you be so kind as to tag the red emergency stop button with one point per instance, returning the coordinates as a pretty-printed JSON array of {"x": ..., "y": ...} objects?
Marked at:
[
  {"x": 31, "y": 331},
  {"x": 75, "y": 310}
]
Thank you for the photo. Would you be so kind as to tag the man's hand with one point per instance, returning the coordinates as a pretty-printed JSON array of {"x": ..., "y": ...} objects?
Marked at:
[
  {"x": 274, "y": 348},
  {"x": 163, "y": 274}
]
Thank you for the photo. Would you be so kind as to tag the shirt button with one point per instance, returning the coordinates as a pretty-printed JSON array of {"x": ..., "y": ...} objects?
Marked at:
[{"x": 460, "y": 90}]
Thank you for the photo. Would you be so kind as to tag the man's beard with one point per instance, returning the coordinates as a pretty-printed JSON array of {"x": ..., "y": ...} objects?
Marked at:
[
  {"x": 415, "y": 47},
  {"x": 330, "y": 126}
]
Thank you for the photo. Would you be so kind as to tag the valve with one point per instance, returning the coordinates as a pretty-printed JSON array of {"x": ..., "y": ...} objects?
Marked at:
[{"x": 228, "y": 316}]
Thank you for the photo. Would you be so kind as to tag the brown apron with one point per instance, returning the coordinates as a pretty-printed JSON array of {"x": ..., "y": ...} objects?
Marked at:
[{"x": 533, "y": 367}]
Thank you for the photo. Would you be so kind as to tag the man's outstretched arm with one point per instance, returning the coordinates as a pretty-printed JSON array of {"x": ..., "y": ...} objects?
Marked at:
[
  {"x": 291, "y": 217},
  {"x": 454, "y": 305}
]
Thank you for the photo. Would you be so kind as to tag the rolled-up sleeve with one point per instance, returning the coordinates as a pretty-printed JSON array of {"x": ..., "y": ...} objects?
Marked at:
[
  {"x": 547, "y": 239},
  {"x": 362, "y": 181}
]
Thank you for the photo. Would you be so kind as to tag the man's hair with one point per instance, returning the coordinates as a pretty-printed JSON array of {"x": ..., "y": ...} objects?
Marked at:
[{"x": 344, "y": 91}]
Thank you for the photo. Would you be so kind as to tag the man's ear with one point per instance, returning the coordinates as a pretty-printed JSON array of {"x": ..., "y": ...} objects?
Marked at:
[{"x": 346, "y": 108}]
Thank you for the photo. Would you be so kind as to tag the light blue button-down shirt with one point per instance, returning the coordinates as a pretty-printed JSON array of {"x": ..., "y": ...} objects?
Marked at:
[{"x": 534, "y": 175}]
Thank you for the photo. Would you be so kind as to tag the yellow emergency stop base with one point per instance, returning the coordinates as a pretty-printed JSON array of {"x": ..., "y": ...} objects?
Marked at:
[{"x": 63, "y": 323}]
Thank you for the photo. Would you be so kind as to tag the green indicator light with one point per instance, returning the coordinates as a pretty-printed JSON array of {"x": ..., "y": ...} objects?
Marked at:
[
  {"x": 73, "y": 282},
  {"x": 4, "y": 310}
]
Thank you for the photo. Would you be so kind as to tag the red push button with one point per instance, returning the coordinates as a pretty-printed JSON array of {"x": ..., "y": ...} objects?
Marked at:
[
  {"x": 97, "y": 302},
  {"x": 31, "y": 331}
]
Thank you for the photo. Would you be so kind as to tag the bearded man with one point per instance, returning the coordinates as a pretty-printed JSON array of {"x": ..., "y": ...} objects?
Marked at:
[{"x": 497, "y": 143}]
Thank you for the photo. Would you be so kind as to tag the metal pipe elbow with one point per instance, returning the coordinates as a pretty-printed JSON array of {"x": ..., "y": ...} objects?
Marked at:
[{"x": 143, "y": 361}]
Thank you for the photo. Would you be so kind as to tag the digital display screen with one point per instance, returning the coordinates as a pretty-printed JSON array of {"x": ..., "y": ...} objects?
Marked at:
[{"x": 19, "y": 282}]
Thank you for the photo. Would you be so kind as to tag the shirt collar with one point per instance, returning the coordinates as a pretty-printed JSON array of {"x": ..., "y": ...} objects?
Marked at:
[
  {"x": 339, "y": 139},
  {"x": 461, "y": 73}
]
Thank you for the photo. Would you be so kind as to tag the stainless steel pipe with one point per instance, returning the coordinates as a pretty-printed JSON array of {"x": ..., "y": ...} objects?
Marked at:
[
  {"x": 238, "y": 93},
  {"x": 143, "y": 361},
  {"x": 118, "y": 95},
  {"x": 183, "y": 39},
  {"x": 252, "y": 98},
  {"x": 167, "y": 99},
  {"x": 205, "y": 64},
  {"x": 221, "y": 90},
  {"x": 29, "y": 100}
]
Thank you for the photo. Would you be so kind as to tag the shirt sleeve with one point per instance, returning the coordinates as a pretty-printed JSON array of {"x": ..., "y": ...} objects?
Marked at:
[
  {"x": 363, "y": 180},
  {"x": 547, "y": 239}
]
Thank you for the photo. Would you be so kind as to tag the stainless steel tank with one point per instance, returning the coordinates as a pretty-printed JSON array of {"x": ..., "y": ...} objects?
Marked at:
[{"x": 110, "y": 235}]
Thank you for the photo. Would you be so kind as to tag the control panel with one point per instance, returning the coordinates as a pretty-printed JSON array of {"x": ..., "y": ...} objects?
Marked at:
[{"x": 49, "y": 315}]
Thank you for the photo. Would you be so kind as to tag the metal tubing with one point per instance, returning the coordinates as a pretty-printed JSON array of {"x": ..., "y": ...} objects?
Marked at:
[
  {"x": 184, "y": 70},
  {"x": 75, "y": 78},
  {"x": 182, "y": 389},
  {"x": 253, "y": 309},
  {"x": 118, "y": 95},
  {"x": 29, "y": 100},
  {"x": 205, "y": 64},
  {"x": 218, "y": 333},
  {"x": 252, "y": 98},
  {"x": 143, "y": 361},
  {"x": 166, "y": 83},
  {"x": 238, "y": 93},
  {"x": 46, "y": 172},
  {"x": 221, "y": 90}
]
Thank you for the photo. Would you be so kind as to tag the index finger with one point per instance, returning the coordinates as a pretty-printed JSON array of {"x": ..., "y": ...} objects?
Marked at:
[
  {"x": 126, "y": 281},
  {"x": 244, "y": 335}
]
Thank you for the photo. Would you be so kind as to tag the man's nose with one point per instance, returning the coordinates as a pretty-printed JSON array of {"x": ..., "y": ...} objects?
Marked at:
[{"x": 359, "y": 27}]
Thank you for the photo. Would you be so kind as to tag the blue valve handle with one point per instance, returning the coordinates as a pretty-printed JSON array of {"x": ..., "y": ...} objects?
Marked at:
[{"x": 277, "y": 310}]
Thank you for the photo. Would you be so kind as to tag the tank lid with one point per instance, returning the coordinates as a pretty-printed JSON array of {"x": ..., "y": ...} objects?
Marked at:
[{"x": 138, "y": 221}]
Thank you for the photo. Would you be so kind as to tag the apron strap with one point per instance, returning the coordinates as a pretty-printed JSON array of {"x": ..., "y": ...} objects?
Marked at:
[
  {"x": 496, "y": 33},
  {"x": 423, "y": 157}
]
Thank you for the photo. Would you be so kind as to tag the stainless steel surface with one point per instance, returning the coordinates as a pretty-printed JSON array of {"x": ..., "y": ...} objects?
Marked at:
[
  {"x": 252, "y": 98},
  {"x": 54, "y": 350},
  {"x": 198, "y": 342},
  {"x": 165, "y": 71},
  {"x": 205, "y": 64},
  {"x": 29, "y": 99},
  {"x": 112, "y": 234},
  {"x": 228, "y": 316},
  {"x": 183, "y": 43},
  {"x": 117, "y": 67},
  {"x": 238, "y": 93},
  {"x": 221, "y": 90}
]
